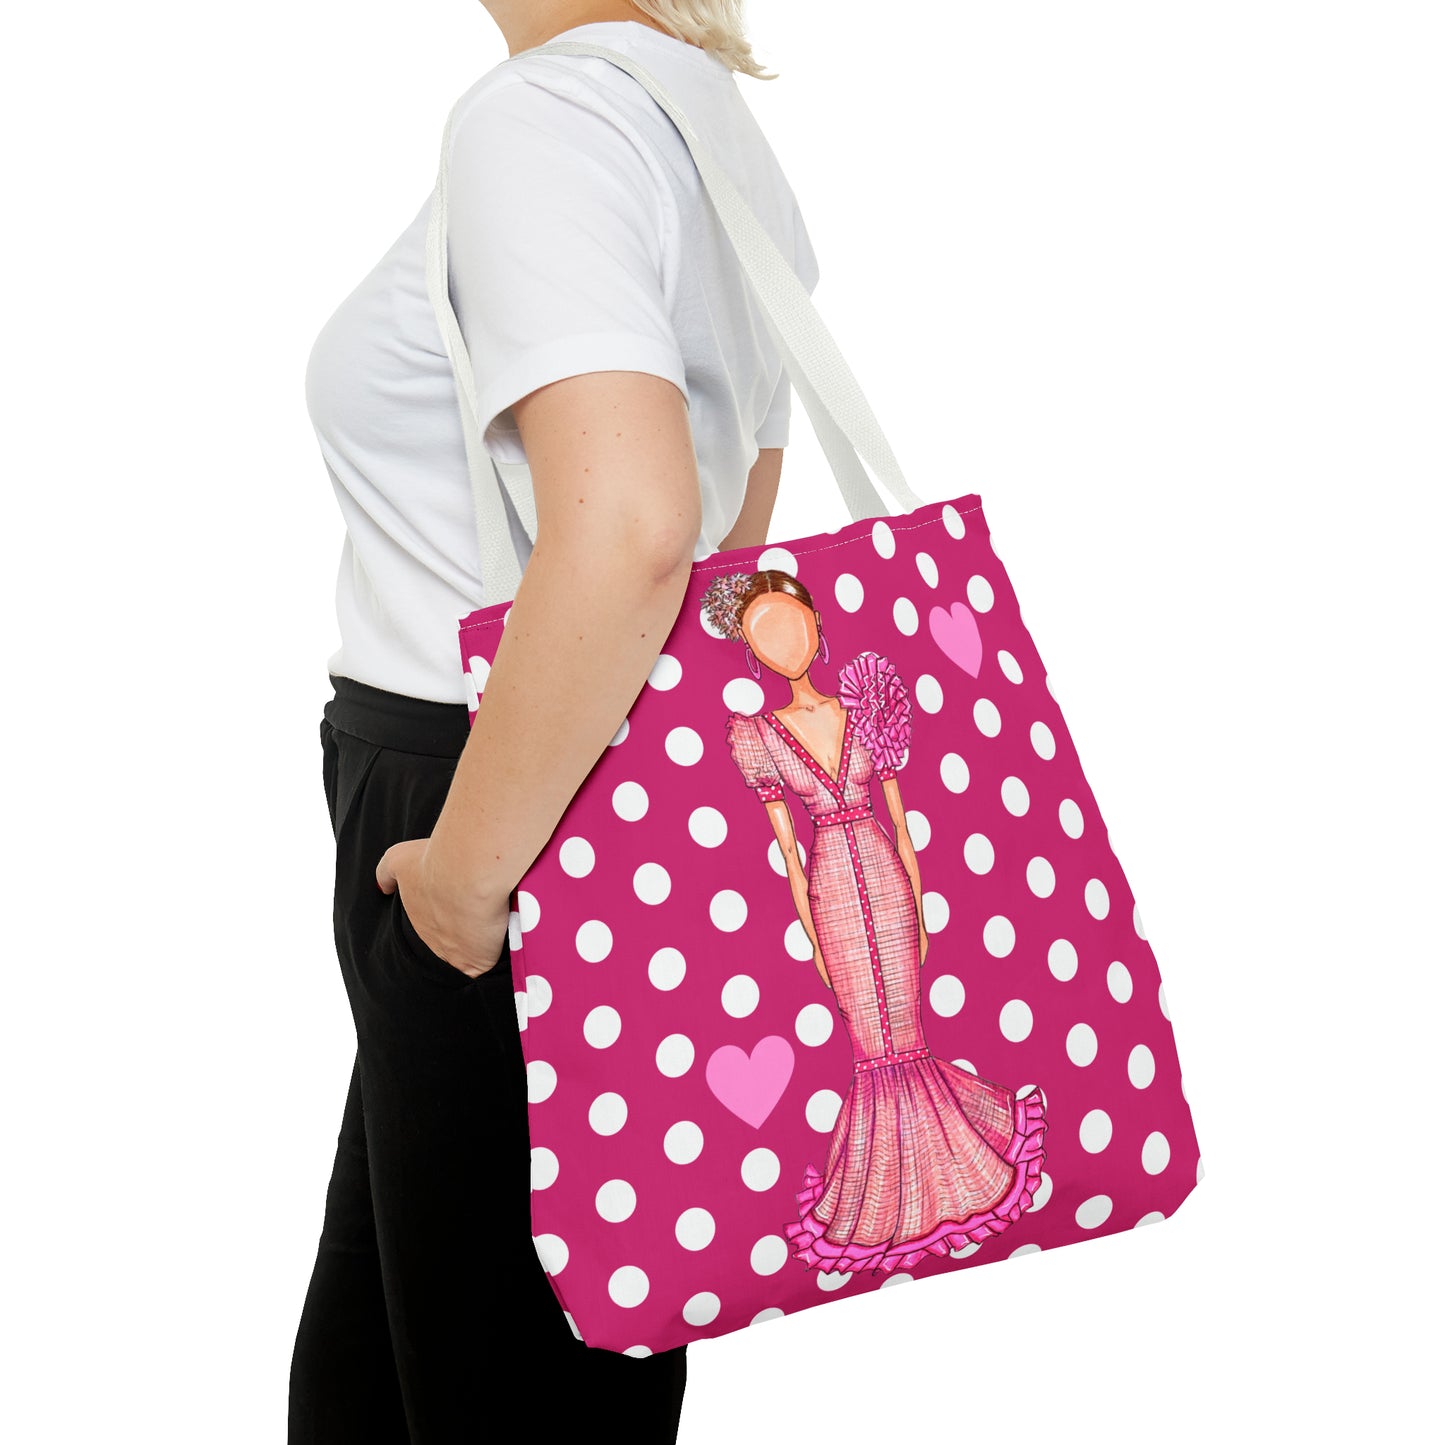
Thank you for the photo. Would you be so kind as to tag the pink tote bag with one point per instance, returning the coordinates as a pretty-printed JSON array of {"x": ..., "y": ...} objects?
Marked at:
[{"x": 832, "y": 979}]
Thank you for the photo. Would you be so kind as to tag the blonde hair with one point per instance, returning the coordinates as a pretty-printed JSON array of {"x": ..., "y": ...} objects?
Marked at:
[{"x": 716, "y": 25}]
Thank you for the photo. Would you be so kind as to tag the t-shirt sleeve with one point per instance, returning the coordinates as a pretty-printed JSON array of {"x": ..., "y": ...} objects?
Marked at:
[
  {"x": 775, "y": 427},
  {"x": 558, "y": 234}
]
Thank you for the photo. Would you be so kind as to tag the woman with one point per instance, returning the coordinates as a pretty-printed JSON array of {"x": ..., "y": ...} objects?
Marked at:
[
  {"x": 622, "y": 360},
  {"x": 924, "y": 1157}
]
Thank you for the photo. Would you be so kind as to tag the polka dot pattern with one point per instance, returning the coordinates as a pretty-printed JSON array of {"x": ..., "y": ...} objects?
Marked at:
[{"x": 660, "y": 926}]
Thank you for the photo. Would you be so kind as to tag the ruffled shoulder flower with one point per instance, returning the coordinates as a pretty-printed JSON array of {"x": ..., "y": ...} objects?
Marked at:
[{"x": 871, "y": 689}]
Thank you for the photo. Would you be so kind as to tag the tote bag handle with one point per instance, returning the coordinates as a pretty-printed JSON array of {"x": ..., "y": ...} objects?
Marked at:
[{"x": 846, "y": 427}]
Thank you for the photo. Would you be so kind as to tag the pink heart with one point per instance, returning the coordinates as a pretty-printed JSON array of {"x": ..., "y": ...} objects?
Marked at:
[
  {"x": 751, "y": 1085},
  {"x": 956, "y": 632}
]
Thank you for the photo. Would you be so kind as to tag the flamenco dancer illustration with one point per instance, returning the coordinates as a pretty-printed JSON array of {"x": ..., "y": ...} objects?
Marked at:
[{"x": 924, "y": 1157}]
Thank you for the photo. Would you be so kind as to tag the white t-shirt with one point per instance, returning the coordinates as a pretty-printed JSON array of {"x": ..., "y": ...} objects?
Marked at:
[{"x": 581, "y": 239}]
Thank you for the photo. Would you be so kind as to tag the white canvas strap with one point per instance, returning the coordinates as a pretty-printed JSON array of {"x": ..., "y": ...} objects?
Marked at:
[{"x": 846, "y": 427}]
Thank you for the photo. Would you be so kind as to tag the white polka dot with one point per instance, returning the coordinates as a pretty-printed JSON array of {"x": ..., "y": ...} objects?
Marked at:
[
  {"x": 769, "y": 1254},
  {"x": 666, "y": 969},
  {"x": 742, "y": 694},
  {"x": 1153, "y": 1217},
  {"x": 952, "y": 521},
  {"x": 814, "y": 1024},
  {"x": 666, "y": 673},
  {"x": 519, "y": 1002},
  {"x": 607, "y": 1114},
  {"x": 965, "y": 1066},
  {"x": 905, "y": 616},
  {"x": 479, "y": 669},
  {"x": 898, "y": 1278},
  {"x": 1015, "y": 795},
  {"x": 761, "y": 1169},
  {"x": 1121, "y": 985},
  {"x": 576, "y": 857},
  {"x": 1016, "y": 1020},
  {"x": 541, "y": 1081},
  {"x": 572, "y": 1325},
  {"x": 884, "y": 542},
  {"x": 980, "y": 593},
  {"x": 999, "y": 936},
  {"x": 1082, "y": 1045},
  {"x": 763, "y": 1316},
  {"x": 529, "y": 911},
  {"x": 740, "y": 996},
  {"x": 1139, "y": 923},
  {"x": 945, "y": 995},
  {"x": 1155, "y": 1157},
  {"x": 707, "y": 827},
  {"x": 675, "y": 1055},
  {"x": 602, "y": 1026},
  {"x": 1095, "y": 1131},
  {"x": 628, "y": 1288},
  {"x": 1141, "y": 1066},
  {"x": 1199, "y": 1171},
  {"x": 986, "y": 718},
  {"x": 968, "y": 1249},
  {"x": 594, "y": 940},
  {"x": 1024, "y": 1249},
  {"x": 651, "y": 883},
  {"x": 683, "y": 746},
  {"x": 848, "y": 592},
  {"x": 629, "y": 801},
  {"x": 616, "y": 1201},
  {"x": 702, "y": 1309},
  {"x": 832, "y": 1279},
  {"x": 1042, "y": 738},
  {"x": 1071, "y": 818},
  {"x": 1096, "y": 898},
  {"x": 1041, "y": 1194},
  {"x": 822, "y": 1110},
  {"x": 935, "y": 913},
  {"x": 1163, "y": 1002},
  {"x": 927, "y": 569},
  {"x": 552, "y": 1251},
  {"x": 928, "y": 692},
  {"x": 728, "y": 910},
  {"x": 778, "y": 863},
  {"x": 545, "y": 1168},
  {"x": 1008, "y": 665},
  {"x": 919, "y": 828},
  {"x": 978, "y": 853},
  {"x": 539, "y": 995},
  {"x": 683, "y": 1142},
  {"x": 954, "y": 772},
  {"x": 1040, "y": 875},
  {"x": 796, "y": 942},
  {"x": 695, "y": 1229},
  {"x": 776, "y": 559},
  {"x": 1093, "y": 1211},
  {"x": 638, "y": 1352}
]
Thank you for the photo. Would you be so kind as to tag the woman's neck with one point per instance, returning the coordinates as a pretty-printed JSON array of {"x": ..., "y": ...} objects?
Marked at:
[{"x": 526, "y": 23}]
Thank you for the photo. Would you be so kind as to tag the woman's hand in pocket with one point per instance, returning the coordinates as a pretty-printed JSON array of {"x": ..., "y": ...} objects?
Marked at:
[{"x": 467, "y": 927}]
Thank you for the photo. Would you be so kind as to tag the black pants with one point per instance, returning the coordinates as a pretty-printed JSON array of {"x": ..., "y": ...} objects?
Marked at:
[{"x": 429, "y": 1320}]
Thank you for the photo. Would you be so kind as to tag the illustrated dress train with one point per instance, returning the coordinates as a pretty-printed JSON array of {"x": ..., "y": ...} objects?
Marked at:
[{"x": 925, "y": 1157}]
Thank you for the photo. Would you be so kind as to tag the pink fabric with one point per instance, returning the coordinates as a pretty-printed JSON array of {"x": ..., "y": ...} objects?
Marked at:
[{"x": 719, "y": 1136}]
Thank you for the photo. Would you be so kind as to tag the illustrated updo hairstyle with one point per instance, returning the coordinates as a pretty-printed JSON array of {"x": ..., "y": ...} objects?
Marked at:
[{"x": 729, "y": 597}]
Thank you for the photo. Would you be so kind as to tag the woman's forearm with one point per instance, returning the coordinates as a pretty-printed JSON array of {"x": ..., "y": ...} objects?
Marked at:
[{"x": 586, "y": 627}]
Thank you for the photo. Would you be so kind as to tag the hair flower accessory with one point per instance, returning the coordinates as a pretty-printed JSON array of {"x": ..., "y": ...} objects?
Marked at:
[
  {"x": 872, "y": 690},
  {"x": 720, "y": 603}
]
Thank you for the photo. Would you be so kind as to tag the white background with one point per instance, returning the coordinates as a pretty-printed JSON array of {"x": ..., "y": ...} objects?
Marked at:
[{"x": 1162, "y": 282}]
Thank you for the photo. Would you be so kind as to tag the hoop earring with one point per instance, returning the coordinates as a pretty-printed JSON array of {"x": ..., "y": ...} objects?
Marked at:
[
  {"x": 754, "y": 666},
  {"x": 823, "y": 645}
]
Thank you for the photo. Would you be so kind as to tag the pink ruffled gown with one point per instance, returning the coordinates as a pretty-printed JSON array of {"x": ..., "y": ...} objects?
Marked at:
[{"x": 925, "y": 1157}]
